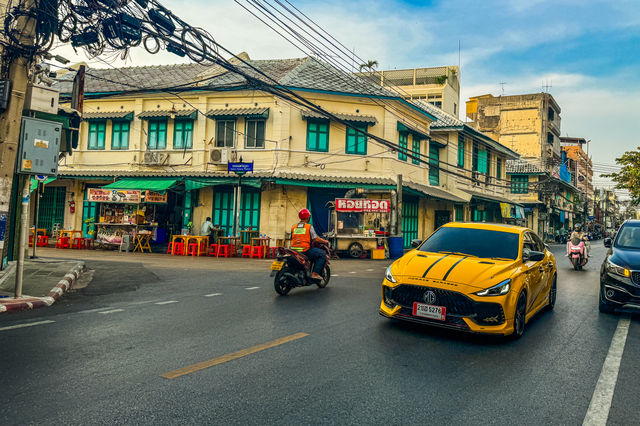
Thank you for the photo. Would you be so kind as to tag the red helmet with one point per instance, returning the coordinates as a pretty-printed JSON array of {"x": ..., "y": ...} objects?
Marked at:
[{"x": 304, "y": 214}]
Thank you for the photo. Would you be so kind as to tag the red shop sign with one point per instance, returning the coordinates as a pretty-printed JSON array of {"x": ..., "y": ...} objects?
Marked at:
[{"x": 362, "y": 205}]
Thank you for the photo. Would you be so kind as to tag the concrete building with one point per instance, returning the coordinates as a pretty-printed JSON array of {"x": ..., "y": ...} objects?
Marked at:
[
  {"x": 581, "y": 168},
  {"x": 528, "y": 124},
  {"x": 439, "y": 86},
  {"x": 137, "y": 134}
]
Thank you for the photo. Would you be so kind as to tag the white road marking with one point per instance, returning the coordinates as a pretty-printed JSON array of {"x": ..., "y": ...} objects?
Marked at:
[
  {"x": 252, "y": 288},
  {"x": 88, "y": 311},
  {"x": 598, "y": 411},
  {"x": 112, "y": 311},
  {"x": 369, "y": 270},
  {"x": 144, "y": 302},
  {"x": 27, "y": 324},
  {"x": 166, "y": 302},
  {"x": 352, "y": 272},
  {"x": 213, "y": 294},
  {"x": 335, "y": 275}
]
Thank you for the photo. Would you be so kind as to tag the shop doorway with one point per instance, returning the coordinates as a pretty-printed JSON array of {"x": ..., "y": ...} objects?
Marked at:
[
  {"x": 317, "y": 199},
  {"x": 410, "y": 209},
  {"x": 223, "y": 207},
  {"x": 52, "y": 206}
]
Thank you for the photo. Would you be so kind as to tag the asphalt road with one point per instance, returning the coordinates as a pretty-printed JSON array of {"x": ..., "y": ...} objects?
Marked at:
[{"x": 98, "y": 356}]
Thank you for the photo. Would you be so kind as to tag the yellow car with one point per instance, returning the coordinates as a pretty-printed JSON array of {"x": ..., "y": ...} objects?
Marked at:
[{"x": 476, "y": 277}]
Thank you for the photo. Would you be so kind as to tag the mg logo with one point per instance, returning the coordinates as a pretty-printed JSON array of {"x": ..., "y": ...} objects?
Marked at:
[{"x": 429, "y": 297}]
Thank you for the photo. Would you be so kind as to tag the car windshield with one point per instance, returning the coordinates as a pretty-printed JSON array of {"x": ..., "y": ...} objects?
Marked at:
[
  {"x": 473, "y": 242},
  {"x": 628, "y": 237}
]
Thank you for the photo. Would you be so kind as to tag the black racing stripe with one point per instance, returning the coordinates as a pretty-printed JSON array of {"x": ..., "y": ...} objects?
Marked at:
[
  {"x": 451, "y": 269},
  {"x": 432, "y": 265}
]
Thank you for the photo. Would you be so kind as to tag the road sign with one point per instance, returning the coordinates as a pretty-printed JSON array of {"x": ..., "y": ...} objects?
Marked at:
[
  {"x": 240, "y": 168},
  {"x": 41, "y": 178}
]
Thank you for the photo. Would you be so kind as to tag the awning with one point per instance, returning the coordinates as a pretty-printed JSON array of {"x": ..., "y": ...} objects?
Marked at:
[
  {"x": 413, "y": 130},
  {"x": 155, "y": 185},
  {"x": 232, "y": 113},
  {"x": 34, "y": 182},
  {"x": 352, "y": 118},
  {"x": 166, "y": 114},
  {"x": 329, "y": 184},
  {"x": 191, "y": 184},
  {"x": 433, "y": 192},
  {"x": 491, "y": 198},
  {"x": 108, "y": 115}
]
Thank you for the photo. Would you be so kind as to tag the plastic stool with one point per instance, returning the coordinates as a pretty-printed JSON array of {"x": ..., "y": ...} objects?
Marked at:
[
  {"x": 90, "y": 243},
  {"x": 43, "y": 241},
  {"x": 246, "y": 251},
  {"x": 257, "y": 251},
  {"x": 30, "y": 240},
  {"x": 178, "y": 249},
  {"x": 78, "y": 243},
  {"x": 224, "y": 250},
  {"x": 213, "y": 250},
  {"x": 273, "y": 251},
  {"x": 62, "y": 242},
  {"x": 170, "y": 248},
  {"x": 193, "y": 249}
]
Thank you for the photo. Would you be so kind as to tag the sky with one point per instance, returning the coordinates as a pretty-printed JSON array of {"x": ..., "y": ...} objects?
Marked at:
[{"x": 588, "y": 51}]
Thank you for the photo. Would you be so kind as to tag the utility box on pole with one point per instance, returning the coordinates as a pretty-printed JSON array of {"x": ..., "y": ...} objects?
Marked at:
[{"x": 39, "y": 147}]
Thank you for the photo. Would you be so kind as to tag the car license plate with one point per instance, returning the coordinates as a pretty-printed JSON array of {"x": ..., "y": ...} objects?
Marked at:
[
  {"x": 429, "y": 311},
  {"x": 277, "y": 265}
]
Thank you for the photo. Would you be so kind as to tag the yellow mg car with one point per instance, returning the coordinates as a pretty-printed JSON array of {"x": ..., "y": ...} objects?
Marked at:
[{"x": 476, "y": 277}]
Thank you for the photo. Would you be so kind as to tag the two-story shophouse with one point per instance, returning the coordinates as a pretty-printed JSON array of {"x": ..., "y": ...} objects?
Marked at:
[{"x": 174, "y": 128}]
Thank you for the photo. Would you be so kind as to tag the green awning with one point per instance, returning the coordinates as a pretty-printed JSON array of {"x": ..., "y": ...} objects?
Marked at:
[
  {"x": 155, "y": 185},
  {"x": 197, "y": 183},
  {"x": 34, "y": 182}
]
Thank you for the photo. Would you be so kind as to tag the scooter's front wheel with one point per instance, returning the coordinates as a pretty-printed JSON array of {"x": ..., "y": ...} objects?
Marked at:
[
  {"x": 280, "y": 284},
  {"x": 326, "y": 276}
]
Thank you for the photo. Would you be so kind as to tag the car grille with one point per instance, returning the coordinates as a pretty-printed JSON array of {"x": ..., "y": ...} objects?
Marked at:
[
  {"x": 458, "y": 305},
  {"x": 635, "y": 277}
]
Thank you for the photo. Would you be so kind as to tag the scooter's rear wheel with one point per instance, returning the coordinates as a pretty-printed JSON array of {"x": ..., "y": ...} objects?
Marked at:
[
  {"x": 326, "y": 276},
  {"x": 280, "y": 284}
]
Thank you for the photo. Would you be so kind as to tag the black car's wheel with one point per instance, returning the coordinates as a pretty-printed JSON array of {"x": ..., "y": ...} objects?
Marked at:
[
  {"x": 326, "y": 276},
  {"x": 280, "y": 284},
  {"x": 552, "y": 295},
  {"x": 355, "y": 250},
  {"x": 520, "y": 317},
  {"x": 603, "y": 305}
]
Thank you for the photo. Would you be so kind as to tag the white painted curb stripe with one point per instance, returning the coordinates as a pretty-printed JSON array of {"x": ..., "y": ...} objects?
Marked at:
[
  {"x": 28, "y": 324},
  {"x": 598, "y": 411},
  {"x": 167, "y": 302},
  {"x": 111, "y": 311}
]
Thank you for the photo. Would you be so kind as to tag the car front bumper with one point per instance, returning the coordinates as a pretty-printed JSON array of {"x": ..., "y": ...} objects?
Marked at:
[{"x": 620, "y": 293}]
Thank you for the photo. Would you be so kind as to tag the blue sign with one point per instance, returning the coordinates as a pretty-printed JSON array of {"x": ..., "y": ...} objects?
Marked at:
[{"x": 240, "y": 168}]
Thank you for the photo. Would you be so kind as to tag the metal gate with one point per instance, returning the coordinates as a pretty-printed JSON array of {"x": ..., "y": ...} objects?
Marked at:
[
  {"x": 52, "y": 207},
  {"x": 409, "y": 220}
]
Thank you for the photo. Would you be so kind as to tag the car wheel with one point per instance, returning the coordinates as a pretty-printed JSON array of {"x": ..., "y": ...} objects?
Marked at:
[
  {"x": 552, "y": 295},
  {"x": 603, "y": 305},
  {"x": 520, "y": 316},
  {"x": 356, "y": 251}
]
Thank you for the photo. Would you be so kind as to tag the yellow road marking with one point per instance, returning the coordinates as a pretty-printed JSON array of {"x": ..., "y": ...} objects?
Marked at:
[{"x": 230, "y": 357}]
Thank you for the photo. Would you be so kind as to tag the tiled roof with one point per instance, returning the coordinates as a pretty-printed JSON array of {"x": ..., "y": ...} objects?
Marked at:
[
  {"x": 106, "y": 115},
  {"x": 444, "y": 119},
  {"x": 346, "y": 117},
  {"x": 521, "y": 166},
  {"x": 238, "y": 112},
  {"x": 159, "y": 113},
  {"x": 491, "y": 197}
]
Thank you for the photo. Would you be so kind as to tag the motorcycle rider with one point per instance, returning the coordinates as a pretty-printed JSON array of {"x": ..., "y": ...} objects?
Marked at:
[
  {"x": 302, "y": 235},
  {"x": 576, "y": 236}
]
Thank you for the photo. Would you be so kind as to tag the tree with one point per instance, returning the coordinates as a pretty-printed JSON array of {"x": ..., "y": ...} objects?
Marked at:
[
  {"x": 629, "y": 175},
  {"x": 370, "y": 65}
]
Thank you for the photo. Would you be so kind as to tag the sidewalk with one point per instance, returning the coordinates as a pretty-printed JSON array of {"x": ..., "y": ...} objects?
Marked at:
[{"x": 45, "y": 280}]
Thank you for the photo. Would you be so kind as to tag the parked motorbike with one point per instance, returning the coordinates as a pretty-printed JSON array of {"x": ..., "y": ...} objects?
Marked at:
[
  {"x": 293, "y": 269},
  {"x": 577, "y": 254}
]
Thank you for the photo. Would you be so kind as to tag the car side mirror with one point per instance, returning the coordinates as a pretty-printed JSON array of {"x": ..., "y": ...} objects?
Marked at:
[
  {"x": 532, "y": 256},
  {"x": 607, "y": 242},
  {"x": 416, "y": 243}
]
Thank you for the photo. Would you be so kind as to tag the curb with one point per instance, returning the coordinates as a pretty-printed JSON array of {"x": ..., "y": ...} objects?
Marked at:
[{"x": 14, "y": 305}]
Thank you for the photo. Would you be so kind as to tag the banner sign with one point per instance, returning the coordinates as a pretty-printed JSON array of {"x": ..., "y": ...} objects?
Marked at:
[
  {"x": 357, "y": 205},
  {"x": 99, "y": 195},
  {"x": 155, "y": 197},
  {"x": 240, "y": 168}
]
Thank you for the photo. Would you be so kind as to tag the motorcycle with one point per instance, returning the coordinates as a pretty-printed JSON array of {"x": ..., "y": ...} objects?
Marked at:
[
  {"x": 577, "y": 254},
  {"x": 293, "y": 269}
]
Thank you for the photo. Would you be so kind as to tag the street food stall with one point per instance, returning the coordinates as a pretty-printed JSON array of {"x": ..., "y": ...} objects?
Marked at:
[
  {"x": 359, "y": 225},
  {"x": 124, "y": 214}
]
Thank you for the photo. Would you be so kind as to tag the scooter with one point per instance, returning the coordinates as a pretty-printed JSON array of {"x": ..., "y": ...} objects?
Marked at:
[
  {"x": 293, "y": 269},
  {"x": 577, "y": 254}
]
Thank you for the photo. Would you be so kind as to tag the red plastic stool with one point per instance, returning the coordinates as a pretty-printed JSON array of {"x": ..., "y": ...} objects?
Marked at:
[
  {"x": 170, "y": 248},
  {"x": 246, "y": 251},
  {"x": 43, "y": 241},
  {"x": 62, "y": 242},
  {"x": 78, "y": 243},
  {"x": 257, "y": 251},
  {"x": 224, "y": 250},
  {"x": 273, "y": 251},
  {"x": 178, "y": 249},
  {"x": 193, "y": 249},
  {"x": 213, "y": 250},
  {"x": 30, "y": 240}
]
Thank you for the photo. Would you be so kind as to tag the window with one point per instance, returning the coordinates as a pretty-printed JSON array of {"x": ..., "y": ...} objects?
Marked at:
[
  {"x": 183, "y": 134},
  {"x": 498, "y": 167},
  {"x": 120, "y": 135},
  {"x": 461, "y": 151},
  {"x": 550, "y": 138},
  {"x": 403, "y": 141},
  {"x": 356, "y": 141},
  {"x": 416, "y": 150},
  {"x": 157, "y": 134},
  {"x": 481, "y": 160},
  {"x": 318, "y": 136},
  {"x": 225, "y": 133},
  {"x": 551, "y": 114},
  {"x": 434, "y": 164},
  {"x": 459, "y": 211},
  {"x": 97, "y": 131},
  {"x": 455, "y": 108},
  {"x": 437, "y": 104},
  {"x": 255, "y": 134},
  {"x": 519, "y": 184}
]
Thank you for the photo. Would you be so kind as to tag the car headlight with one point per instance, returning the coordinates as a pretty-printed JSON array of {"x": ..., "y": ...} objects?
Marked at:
[
  {"x": 496, "y": 290},
  {"x": 389, "y": 276},
  {"x": 614, "y": 269}
]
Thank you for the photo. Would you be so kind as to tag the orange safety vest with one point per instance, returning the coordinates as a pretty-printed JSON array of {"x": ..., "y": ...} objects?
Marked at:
[{"x": 301, "y": 237}]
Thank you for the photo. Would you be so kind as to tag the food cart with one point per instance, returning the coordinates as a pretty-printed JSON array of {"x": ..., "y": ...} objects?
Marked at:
[
  {"x": 357, "y": 225},
  {"x": 124, "y": 214}
]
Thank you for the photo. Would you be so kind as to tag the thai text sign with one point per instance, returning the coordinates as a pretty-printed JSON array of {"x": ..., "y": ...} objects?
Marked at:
[
  {"x": 362, "y": 205},
  {"x": 99, "y": 195},
  {"x": 155, "y": 197}
]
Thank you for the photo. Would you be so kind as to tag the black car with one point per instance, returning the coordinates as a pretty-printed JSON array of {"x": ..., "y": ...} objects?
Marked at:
[{"x": 620, "y": 272}]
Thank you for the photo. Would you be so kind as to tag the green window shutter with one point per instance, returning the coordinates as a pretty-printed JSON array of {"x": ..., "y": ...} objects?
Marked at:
[
  {"x": 434, "y": 164},
  {"x": 356, "y": 142},
  {"x": 498, "y": 167},
  {"x": 157, "y": 134},
  {"x": 318, "y": 135},
  {"x": 152, "y": 135},
  {"x": 519, "y": 184},
  {"x": 120, "y": 135},
  {"x": 97, "y": 131},
  {"x": 183, "y": 134},
  {"x": 482, "y": 161},
  {"x": 416, "y": 150},
  {"x": 403, "y": 142},
  {"x": 459, "y": 213},
  {"x": 409, "y": 221},
  {"x": 461, "y": 151},
  {"x": 223, "y": 209}
]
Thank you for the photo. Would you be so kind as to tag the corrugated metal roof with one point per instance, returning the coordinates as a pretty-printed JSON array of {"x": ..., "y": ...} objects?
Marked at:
[
  {"x": 491, "y": 197},
  {"x": 163, "y": 113},
  {"x": 521, "y": 166},
  {"x": 238, "y": 112},
  {"x": 435, "y": 192},
  {"x": 108, "y": 115},
  {"x": 368, "y": 119}
]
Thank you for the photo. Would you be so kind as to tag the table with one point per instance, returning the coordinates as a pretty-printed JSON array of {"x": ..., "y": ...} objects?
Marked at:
[
  {"x": 41, "y": 231},
  {"x": 142, "y": 242},
  {"x": 186, "y": 238},
  {"x": 70, "y": 233},
  {"x": 262, "y": 241},
  {"x": 247, "y": 235},
  {"x": 215, "y": 234},
  {"x": 233, "y": 241}
]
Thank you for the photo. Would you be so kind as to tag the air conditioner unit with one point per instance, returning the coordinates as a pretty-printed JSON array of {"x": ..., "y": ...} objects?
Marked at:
[
  {"x": 151, "y": 157},
  {"x": 222, "y": 155}
]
